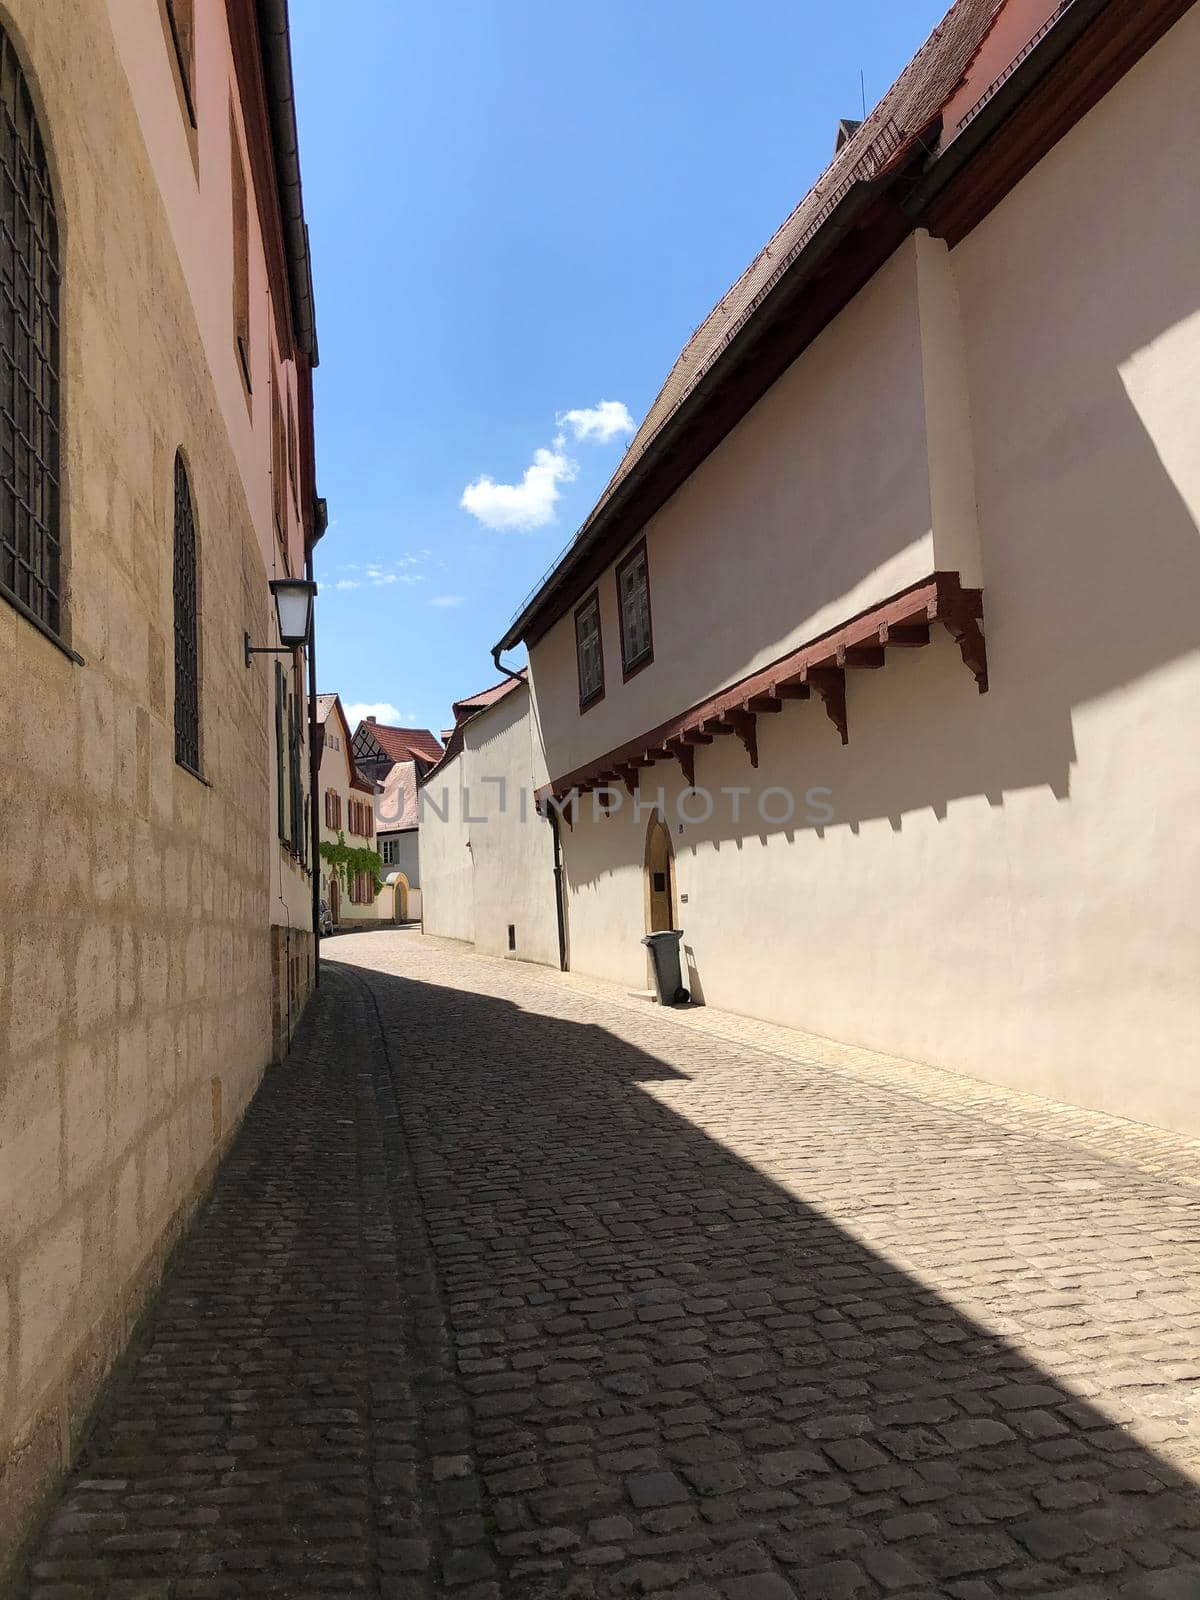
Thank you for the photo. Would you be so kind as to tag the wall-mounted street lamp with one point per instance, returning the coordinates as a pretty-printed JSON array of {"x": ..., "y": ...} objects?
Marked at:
[{"x": 293, "y": 612}]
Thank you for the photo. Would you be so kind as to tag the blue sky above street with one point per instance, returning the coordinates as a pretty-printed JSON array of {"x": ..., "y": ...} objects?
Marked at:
[{"x": 519, "y": 213}]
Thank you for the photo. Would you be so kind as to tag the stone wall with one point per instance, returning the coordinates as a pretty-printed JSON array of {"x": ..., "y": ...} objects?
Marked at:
[{"x": 135, "y": 954}]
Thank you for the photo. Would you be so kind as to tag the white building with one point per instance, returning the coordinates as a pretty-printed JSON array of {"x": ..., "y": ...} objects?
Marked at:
[
  {"x": 396, "y": 759},
  {"x": 487, "y": 855},
  {"x": 939, "y": 439}
]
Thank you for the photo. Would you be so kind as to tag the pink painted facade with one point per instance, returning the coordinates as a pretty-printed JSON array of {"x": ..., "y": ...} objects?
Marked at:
[
  {"x": 195, "y": 171},
  {"x": 196, "y": 194}
]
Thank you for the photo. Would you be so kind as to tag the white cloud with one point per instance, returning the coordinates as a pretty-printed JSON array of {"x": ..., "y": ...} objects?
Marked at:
[
  {"x": 381, "y": 710},
  {"x": 347, "y": 583},
  {"x": 601, "y": 423},
  {"x": 524, "y": 505},
  {"x": 447, "y": 600}
]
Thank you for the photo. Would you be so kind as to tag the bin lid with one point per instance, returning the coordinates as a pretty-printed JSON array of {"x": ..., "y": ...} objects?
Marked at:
[{"x": 663, "y": 935}]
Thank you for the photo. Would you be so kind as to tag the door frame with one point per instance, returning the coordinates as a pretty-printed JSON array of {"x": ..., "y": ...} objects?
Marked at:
[{"x": 659, "y": 829}]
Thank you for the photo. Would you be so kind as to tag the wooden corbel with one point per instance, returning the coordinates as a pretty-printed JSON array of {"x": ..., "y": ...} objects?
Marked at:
[
  {"x": 768, "y": 701},
  {"x": 830, "y": 684},
  {"x": 685, "y": 754},
  {"x": 964, "y": 629},
  {"x": 745, "y": 725},
  {"x": 695, "y": 736}
]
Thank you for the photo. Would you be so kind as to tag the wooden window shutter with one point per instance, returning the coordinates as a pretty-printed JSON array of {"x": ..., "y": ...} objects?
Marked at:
[{"x": 281, "y": 809}]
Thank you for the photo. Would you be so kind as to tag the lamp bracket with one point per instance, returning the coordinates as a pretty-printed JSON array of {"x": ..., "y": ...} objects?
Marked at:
[{"x": 267, "y": 649}]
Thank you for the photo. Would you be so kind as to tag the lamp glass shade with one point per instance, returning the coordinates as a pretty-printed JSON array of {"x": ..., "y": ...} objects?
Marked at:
[{"x": 293, "y": 609}]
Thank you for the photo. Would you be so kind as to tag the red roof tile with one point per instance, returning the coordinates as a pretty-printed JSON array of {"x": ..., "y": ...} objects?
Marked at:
[
  {"x": 472, "y": 706},
  {"x": 905, "y": 114},
  {"x": 485, "y": 697},
  {"x": 396, "y": 804},
  {"x": 402, "y": 744},
  {"x": 912, "y": 102}
]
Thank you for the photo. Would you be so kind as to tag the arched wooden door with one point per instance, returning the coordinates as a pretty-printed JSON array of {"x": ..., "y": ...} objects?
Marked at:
[
  {"x": 335, "y": 899},
  {"x": 400, "y": 911},
  {"x": 660, "y": 878}
]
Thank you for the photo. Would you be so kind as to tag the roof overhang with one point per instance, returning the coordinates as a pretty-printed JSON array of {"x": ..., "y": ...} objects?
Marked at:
[
  {"x": 861, "y": 231},
  {"x": 1090, "y": 46}
]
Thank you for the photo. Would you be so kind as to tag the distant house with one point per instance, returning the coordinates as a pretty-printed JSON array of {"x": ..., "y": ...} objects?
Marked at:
[
  {"x": 395, "y": 760},
  {"x": 487, "y": 854},
  {"x": 346, "y": 797}
]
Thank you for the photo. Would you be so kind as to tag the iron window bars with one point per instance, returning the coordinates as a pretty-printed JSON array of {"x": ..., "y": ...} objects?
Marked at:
[
  {"x": 589, "y": 649},
  {"x": 633, "y": 600},
  {"x": 29, "y": 376}
]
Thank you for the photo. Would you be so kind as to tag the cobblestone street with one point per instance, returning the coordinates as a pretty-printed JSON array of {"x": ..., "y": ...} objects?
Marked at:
[{"x": 514, "y": 1286}]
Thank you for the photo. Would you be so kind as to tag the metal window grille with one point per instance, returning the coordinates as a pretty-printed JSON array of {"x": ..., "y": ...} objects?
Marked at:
[
  {"x": 187, "y": 648},
  {"x": 635, "y": 610},
  {"x": 591, "y": 663},
  {"x": 29, "y": 398}
]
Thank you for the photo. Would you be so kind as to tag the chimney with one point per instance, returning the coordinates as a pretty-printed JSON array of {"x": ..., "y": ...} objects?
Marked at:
[{"x": 370, "y": 719}]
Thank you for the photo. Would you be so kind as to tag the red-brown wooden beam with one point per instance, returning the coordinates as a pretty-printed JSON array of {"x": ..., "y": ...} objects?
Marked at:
[
  {"x": 685, "y": 754},
  {"x": 903, "y": 619},
  {"x": 830, "y": 684}
]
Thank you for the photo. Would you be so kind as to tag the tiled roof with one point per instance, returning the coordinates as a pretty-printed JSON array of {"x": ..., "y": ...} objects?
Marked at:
[
  {"x": 485, "y": 697},
  {"x": 402, "y": 744},
  {"x": 396, "y": 804},
  {"x": 884, "y": 140},
  {"x": 473, "y": 706},
  {"x": 911, "y": 104}
]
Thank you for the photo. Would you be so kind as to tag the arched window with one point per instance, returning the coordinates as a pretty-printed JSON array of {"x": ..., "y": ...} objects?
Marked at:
[
  {"x": 29, "y": 281},
  {"x": 187, "y": 653}
]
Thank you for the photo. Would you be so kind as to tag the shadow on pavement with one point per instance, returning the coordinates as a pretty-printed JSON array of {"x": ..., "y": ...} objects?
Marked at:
[{"x": 483, "y": 1314}]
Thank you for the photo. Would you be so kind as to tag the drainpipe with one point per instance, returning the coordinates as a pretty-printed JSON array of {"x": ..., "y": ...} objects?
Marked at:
[
  {"x": 559, "y": 903},
  {"x": 272, "y": 18},
  {"x": 558, "y": 891},
  {"x": 313, "y": 766},
  {"x": 500, "y": 667}
]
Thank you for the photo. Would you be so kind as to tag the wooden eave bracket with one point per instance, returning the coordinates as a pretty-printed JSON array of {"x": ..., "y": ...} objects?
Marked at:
[
  {"x": 830, "y": 684},
  {"x": 745, "y": 726},
  {"x": 962, "y": 624},
  {"x": 685, "y": 753},
  {"x": 904, "y": 621}
]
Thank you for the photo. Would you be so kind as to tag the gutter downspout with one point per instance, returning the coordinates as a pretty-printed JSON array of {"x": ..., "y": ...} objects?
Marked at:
[
  {"x": 281, "y": 108},
  {"x": 320, "y": 523},
  {"x": 313, "y": 784},
  {"x": 558, "y": 891},
  {"x": 500, "y": 667},
  {"x": 558, "y": 866}
]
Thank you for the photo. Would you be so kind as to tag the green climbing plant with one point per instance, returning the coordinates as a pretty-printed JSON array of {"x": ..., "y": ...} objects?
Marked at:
[{"x": 347, "y": 861}]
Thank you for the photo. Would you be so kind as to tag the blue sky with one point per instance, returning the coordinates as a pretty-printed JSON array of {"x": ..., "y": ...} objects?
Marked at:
[{"x": 520, "y": 210}]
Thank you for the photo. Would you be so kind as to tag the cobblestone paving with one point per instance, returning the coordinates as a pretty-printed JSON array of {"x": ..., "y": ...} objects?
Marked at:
[{"x": 514, "y": 1287}]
